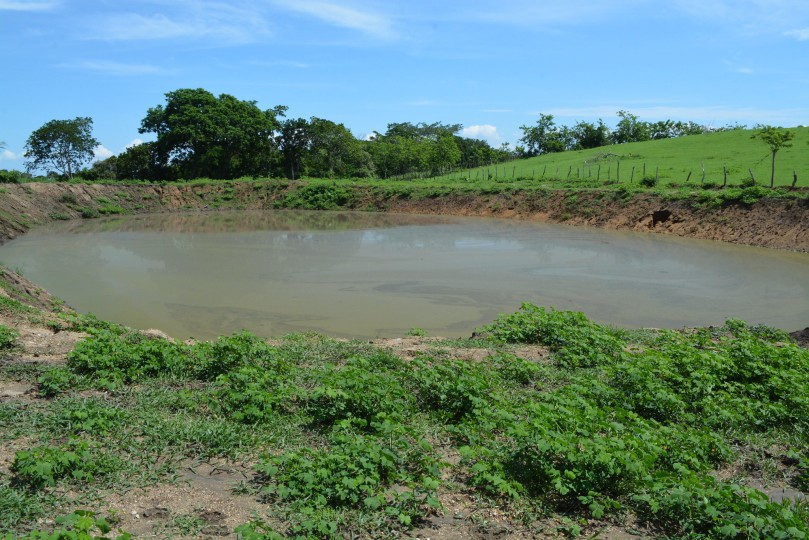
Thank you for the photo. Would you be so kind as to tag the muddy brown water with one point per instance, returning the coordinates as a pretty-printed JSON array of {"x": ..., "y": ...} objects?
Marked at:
[{"x": 366, "y": 275}]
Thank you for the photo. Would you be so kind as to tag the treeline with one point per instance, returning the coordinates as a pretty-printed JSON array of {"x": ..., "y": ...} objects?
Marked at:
[
  {"x": 199, "y": 135},
  {"x": 546, "y": 137}
]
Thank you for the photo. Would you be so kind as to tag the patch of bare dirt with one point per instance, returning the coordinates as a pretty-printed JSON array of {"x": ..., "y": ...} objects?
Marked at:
[{"x": 200, "y": 504}]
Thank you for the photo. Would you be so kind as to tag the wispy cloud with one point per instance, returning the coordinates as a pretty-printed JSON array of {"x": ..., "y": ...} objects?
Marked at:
[
  {"x": 368, "y": 22},
  {"x": 22, "y": 5},
  {"x": 750, "y": 16},
  {"x": 279, "y": 63},
  {"x": 497, "y": 110},
  {"x": 800, "y": 35},
  {"x": 134, "y": 142},
  {"x": 220, "y": 22},
  {"x": 530, "y": 12},
  {"x": 422, "y": 103},
  {"x": 114, "y": 68}
]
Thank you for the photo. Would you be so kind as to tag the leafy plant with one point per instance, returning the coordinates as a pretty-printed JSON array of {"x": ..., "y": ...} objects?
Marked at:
[
  {"x": 44, "y": 466},
  {"x": 80, "y": 525},
  {"x": 8, "y": 338}
]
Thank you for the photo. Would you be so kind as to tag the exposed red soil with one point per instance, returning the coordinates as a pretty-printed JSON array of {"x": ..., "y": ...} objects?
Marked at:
[{"x": 772, "y": 223}]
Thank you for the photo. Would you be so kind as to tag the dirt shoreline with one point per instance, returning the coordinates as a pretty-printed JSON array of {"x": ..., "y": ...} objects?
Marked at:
[{"x": 771, "y": 223}]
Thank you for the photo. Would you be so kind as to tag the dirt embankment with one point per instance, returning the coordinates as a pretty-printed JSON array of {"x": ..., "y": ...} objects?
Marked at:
[{"x": 773, "y": 223}]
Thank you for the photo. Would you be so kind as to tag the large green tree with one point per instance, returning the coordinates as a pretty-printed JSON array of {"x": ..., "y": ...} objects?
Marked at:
[
  {"x": 589, "y": 135},
  {"x": 202, "y": 135},
  {"x": 334, "y": 151},
  {"x": 62, "y": 146},
  {"x": 630, "y": 129},
  {"x": 546, "y": 137}
]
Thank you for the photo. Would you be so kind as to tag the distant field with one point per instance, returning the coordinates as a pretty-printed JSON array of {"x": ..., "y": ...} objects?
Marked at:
[{"x": 672, "y": 159}]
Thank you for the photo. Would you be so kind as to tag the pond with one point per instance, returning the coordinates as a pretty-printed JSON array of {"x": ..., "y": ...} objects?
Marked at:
[{"x": 364, "y": 275}]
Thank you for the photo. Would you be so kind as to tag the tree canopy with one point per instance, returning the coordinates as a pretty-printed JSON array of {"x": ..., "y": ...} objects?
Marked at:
[
  {"x": 62, "y": 146},
  {"x": 199, "y": 134}
]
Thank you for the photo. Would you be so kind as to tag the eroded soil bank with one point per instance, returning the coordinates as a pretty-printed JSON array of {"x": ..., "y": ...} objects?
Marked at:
[{"x": 773, "y": 223}]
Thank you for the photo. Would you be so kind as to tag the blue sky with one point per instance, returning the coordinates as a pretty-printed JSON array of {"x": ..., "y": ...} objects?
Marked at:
[{"x": 491, "y": 65}]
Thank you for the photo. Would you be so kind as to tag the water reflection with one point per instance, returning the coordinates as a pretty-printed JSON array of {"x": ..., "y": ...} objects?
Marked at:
[{"x": 365, "y": 274}]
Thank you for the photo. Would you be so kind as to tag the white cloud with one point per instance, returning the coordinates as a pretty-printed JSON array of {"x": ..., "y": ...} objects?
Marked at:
[
  {"x": 22, "y": 5},
  {"x": 373, "y": 24},
  {"x": 744, "y": 70},
  {"x": 800, "y": 35},
  {"x": 101, "y": 152},
  {"x": 115, "y": 68},
  {"x": 487, "y": 132},
  {"x": 8, "y": 155},
  {"x": 422, "y": 103},
  {"x": 548, "y": 12},
  {"x": 133, "y": 142},
  {"x": 193, "y": 19}
]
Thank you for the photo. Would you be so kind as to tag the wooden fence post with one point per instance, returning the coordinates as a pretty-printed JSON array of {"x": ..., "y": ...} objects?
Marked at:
[
  {"x": 703, "y": 173},
  {"x": 794, "y": 178},
  {"x": 598, "y": 174},
  {"x": 725, "y": 175},
  {"x": 568, "y": 171},
  {"x": 632, "y": 175},
  {"x": 753, "y": 178},
  {"x": 618, "y": 172},
  {"x": 687, "y": 178}
]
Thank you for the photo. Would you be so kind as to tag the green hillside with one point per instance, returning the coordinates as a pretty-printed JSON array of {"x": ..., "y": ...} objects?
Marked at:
[{"x": 671, "y": 159}]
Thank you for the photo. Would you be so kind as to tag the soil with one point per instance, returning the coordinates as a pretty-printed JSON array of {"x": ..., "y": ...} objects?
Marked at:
[{"x": 775, "y": 223}]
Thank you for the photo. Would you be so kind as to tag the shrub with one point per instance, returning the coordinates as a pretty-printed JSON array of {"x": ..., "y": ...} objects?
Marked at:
[
  {"x": 648, "y": 181},
  {"x": 113, "y": 358},
  {"x": 8, "y": 338},
  {"x": 250, "y": 394},
  {"x": 575, "y": 340},
  {"x": 357, "y": 390},
  {"x": 212, "y": 359},
  {"x": 46, "y": 465}
]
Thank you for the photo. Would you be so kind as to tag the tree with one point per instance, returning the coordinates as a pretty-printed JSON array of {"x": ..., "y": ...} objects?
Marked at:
[
  {"x": 61, "y": 145},
  {"x": 545, "y": 137},
  {"x": 199, "y": 134},
  {"x": 137, "y": 163},
  {"x": 293, "y": 138},
  {"x": 334, "y": 151},
  {"x": 776, "y": 140},
  {"x": 630, "y": 129},
  {"x": 588, "y": 135}
]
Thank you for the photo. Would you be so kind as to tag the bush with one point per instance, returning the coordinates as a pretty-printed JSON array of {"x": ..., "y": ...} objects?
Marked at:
[
  {"x": 648, "y": 181},
  {"x": 575, "y": 340},
  {"x": 46, "y": 465},
  {"x": 112, "y": 358},
  {"x": 8, "y": 338}
]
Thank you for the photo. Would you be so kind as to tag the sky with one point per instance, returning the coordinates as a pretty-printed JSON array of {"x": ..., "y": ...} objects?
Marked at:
[{"x": 490, "y": 65}]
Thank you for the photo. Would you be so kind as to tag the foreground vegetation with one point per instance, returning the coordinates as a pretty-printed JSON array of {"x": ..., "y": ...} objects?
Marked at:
[{"x": 659, "y": 432}]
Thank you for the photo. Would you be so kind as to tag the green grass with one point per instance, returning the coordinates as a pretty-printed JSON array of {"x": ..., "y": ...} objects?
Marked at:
[
  {"x": 673, "y": 159},
  {"x": 614, "y": 426}
]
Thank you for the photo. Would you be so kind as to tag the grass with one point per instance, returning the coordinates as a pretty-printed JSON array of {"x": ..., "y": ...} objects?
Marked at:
[
  {"x": 672, "y": 159},
  {"x": 345, "y": 438}
]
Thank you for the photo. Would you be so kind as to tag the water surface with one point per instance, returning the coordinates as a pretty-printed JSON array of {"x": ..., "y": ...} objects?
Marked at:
[{"x": 366, "y": 274}]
